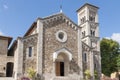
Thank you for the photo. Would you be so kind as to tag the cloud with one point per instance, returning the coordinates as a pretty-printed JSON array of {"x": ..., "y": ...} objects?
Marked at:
[
  {"x": 5, "y": 6},
  {"x": 1, "y": 33},
  {"x": 115, "y": 36}
]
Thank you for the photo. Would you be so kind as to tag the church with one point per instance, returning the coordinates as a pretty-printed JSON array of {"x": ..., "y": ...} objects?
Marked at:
[{"x": 56, "y": 48}]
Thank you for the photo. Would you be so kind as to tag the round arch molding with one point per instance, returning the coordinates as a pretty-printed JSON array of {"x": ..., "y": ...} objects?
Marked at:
[{"x": 63, "y": 50}]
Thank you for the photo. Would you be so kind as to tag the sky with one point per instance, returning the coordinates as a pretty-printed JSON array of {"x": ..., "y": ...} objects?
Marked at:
[{"x": 16, "y": 16}]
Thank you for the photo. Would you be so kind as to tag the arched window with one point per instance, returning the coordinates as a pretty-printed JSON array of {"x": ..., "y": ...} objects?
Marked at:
[
  {"x": 30, "y": 52},
  {"x": 92, "y": 32}
]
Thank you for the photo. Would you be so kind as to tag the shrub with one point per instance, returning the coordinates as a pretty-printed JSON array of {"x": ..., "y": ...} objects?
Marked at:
[
  {"x": 87, "y": 74},
  {"x": 31, "y": 73}
]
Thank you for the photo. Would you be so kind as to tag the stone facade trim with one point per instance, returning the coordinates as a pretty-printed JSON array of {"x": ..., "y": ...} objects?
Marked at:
[
  {"x": 64, "y": 36},
  {"x": 50, "y": 20},
  {"x": 55, "y": 54}
]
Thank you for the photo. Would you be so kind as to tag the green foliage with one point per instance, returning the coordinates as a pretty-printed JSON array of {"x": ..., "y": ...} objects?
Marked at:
[
  {"x": 96, "y": 75},
  {"x": 87, "y": 74},
  {"x": 118, "y": 63},
  {"x": 31, "y": 72},
  {"x": 109, "y": 53}
]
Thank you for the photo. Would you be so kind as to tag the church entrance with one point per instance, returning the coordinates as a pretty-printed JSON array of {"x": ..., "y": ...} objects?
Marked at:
[
  {"x": 59, "y": 68},
  {"x": 61, "y": 60}
]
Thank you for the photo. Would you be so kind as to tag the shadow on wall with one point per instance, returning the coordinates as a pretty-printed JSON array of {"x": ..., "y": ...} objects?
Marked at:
[{"x": 74, "y": 67}]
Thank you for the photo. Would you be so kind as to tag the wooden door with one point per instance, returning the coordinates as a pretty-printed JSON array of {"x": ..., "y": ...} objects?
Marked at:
[{"x": 57, "y": 68}]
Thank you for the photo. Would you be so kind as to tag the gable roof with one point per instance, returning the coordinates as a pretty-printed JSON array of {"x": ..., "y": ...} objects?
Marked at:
[
  {"x": 49, "y": 19},
  {"x": 32, "y": 27},
  {"x": 57, "y": 18}
]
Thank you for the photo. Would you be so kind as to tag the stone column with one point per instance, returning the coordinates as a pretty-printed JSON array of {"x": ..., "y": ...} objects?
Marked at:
[
  {"x": 80, "y": 54},
  {"x": 92, "y": 65},
  {"x": 19, "y": 59},
  {"x": 39, "y": 46}
]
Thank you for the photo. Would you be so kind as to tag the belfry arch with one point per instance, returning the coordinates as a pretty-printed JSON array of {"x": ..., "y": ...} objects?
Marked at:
[{"x": 61, "y": 60}]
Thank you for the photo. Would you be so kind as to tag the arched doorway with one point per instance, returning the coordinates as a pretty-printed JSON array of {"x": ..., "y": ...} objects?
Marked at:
[
  {"x": 62, "y": 59},
  {"x": 9, "y": 69},
  {"x": 61, "y": 65}
]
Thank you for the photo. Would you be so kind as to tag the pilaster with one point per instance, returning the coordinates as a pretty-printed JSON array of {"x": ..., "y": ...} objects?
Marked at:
[
  {"x": 80, "y": 54},
  {"x": 92, "y": 65},
  {"x": 19, "y": 59},
  {"x": 39, "y": 46}
]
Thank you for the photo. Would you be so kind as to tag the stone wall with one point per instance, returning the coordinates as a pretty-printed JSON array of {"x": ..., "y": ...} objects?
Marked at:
[
  {"x": 3, "y": 47},
  {"x": 30, "y": 62},
  {"x": 3, "y": 56},
  {"x": 51, "y": 44}
]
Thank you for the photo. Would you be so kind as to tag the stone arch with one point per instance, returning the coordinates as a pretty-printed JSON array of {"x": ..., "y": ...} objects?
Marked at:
[
  {"x": 65, "y": 51},
  {"x": 61, "y": 60}
]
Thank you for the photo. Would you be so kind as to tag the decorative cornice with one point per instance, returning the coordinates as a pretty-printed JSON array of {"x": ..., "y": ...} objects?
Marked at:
[
  {"x": 85, "y": 47},
  {"x": 90, "y": 22},
  {"x": 58, "y": 18},
  {"x": 92, "y": 37},
  {"x": 87, "y": 4},
  {"x": 30, "y": 40},
  {"x": 33, "y": 26}
]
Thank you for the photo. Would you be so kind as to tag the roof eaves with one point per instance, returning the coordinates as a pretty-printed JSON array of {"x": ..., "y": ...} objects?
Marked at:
[
  {"x": 29, "y": 30},
  {"x": 87, "y": 4}
]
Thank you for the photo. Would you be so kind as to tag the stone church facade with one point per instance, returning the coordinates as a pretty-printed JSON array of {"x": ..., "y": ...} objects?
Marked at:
[{"x": 56, "y": 48}]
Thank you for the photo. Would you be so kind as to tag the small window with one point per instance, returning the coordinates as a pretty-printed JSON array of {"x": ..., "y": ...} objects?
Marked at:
[
  {"x": 83, "y": 34},
  {"x": 61, "y": 35},
  {"x": 95, "y": 66},
  {"x": 30, "y": 51},
  {"x": 85, "y": 57},
  {"x": 91, "y": 18},
  {"x": 92, "y": 33}
]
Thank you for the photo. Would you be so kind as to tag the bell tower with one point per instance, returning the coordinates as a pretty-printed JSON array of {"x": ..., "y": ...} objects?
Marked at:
[{"x": 88, "y": 21}]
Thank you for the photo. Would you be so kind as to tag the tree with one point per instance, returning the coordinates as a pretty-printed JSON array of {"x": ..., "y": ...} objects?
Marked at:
[
  {"x": 118, "y": 62},
  {"x": 109, "y": 53}
]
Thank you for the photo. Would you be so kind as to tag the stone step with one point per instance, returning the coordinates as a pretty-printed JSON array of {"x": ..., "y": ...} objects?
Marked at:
[
  {"x": 6, "y": 78},
  {"x": 66, "y": 78}
]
